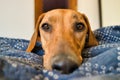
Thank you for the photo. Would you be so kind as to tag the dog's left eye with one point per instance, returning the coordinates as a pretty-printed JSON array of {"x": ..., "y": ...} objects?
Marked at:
[
  {"x": 46, "y": 27},
  {"x": 79, "y": 27}
]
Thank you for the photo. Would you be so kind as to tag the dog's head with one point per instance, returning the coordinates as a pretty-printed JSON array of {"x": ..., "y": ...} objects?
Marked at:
[{"x": 63, "y": 34}]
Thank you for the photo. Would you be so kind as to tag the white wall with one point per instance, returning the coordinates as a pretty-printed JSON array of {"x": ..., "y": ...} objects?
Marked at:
[
  {"x": 91, "y": 9},
  {"x": 16, "y": 18},
  {"x": 111, "y": 12}
]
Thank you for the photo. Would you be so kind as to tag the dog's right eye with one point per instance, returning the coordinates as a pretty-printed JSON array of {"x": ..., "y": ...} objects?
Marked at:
[{"x": 46, "y": 27}]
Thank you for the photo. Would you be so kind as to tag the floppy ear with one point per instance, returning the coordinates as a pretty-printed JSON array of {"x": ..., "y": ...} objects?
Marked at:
[
  {"x": 90, "y": 38},
  {"x": 36, "y": 35}
]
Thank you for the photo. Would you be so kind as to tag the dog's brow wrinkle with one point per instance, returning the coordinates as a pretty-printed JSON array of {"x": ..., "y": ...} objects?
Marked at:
[
  {"x": 75, "y": 16},
  {"x": 52, "y": 19}
]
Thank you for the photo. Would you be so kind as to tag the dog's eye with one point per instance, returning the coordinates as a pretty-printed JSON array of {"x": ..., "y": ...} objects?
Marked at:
[
  {"x": 79, "y": 27},
  {"x": 46, "y": 27}
]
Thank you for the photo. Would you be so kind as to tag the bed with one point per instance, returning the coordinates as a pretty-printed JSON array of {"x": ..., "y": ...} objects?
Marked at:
[{"x": 101, "y": 62}]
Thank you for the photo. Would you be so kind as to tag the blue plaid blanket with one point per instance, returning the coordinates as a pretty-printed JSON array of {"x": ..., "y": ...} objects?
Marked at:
[{"x": 100, "y": 62}]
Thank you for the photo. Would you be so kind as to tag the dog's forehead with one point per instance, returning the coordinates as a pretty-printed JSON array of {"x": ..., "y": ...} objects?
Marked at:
[{"x": 60, "y": 13}]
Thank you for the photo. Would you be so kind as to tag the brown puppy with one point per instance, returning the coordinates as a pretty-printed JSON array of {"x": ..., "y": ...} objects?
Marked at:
[{"x": 63, "y": 34}]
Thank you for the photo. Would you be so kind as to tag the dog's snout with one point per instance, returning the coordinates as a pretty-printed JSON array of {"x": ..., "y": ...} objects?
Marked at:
[{"x": 64, "y": 65}]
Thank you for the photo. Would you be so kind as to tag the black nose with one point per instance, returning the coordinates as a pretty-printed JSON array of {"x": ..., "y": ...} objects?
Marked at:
[{"x": 64, "y": 65}]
